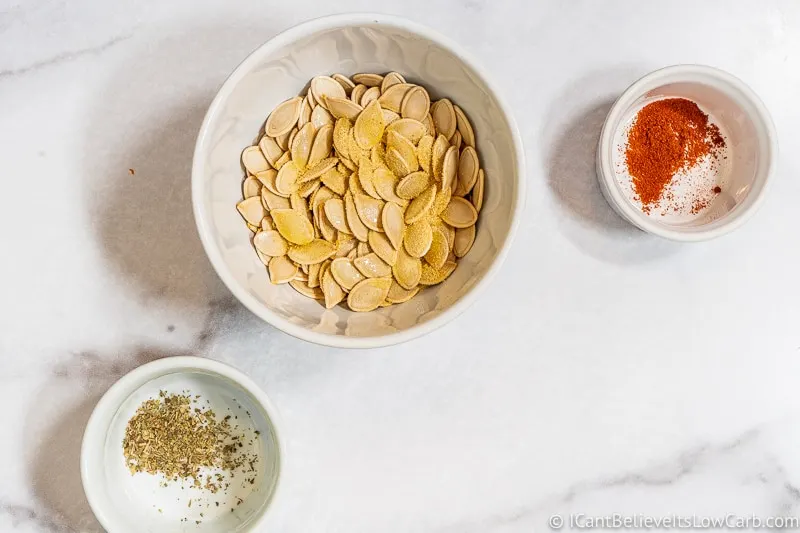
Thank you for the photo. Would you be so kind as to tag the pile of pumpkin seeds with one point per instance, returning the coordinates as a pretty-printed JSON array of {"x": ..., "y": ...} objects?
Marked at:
[{"x": 363, "y": 191}]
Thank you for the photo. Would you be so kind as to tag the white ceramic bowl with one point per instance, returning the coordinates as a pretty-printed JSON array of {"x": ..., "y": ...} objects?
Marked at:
[
  {"x": 752, "y": 148},
  {"x": 126, "y": 503},
  {"x": 281, "y": 68}
]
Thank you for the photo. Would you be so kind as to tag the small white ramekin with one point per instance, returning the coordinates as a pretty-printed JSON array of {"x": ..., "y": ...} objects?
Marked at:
[
  {"x": 126, "y": 503},
  {"x": 752, "y": 141}
]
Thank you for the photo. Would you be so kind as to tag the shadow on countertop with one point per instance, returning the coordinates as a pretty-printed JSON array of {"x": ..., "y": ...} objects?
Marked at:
[{"x": 572, "y": 131}]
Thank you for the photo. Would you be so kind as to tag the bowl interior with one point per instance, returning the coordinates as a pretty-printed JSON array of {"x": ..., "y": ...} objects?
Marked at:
[
  {"x": 281, "y": 69},
  {"x": 126, "y": 502},
  {"x": 743, "y": 174}
]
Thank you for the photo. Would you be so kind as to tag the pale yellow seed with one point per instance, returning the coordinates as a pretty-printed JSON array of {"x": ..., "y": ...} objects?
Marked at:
[
  {"x": 372, "y": 266},
  {"x": 418, "y": 239},
  {"x": 368, "y": 294},
  {"x": 293, "y": 226},
  {"x": 407, "y": 270},
  {"x": 316, "y": 251},
  {"x": 420, "y": 205},
  {"x": 434, "y": 276},
  {"x": 464, "y": 239},
  {"x": 459, "y": 213}
]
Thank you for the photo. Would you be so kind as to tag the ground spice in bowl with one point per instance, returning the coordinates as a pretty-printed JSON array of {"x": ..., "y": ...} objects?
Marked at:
[
  {"x": 667, "y": 137},
  {"x": 173, "y": 436}
]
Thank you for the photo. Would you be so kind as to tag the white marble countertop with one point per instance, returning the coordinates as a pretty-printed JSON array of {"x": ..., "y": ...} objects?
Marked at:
[{"x": 605, "y": 371}]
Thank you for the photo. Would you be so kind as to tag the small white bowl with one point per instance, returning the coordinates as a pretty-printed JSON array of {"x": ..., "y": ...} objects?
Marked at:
[
  {"x": 126, "y": 503},
  {"x": 752, "y": 149},
  {"x": 282, "y": 68}
]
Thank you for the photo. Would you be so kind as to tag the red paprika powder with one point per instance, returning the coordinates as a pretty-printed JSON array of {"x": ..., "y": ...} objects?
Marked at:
[{"x": 668, "y": 136}]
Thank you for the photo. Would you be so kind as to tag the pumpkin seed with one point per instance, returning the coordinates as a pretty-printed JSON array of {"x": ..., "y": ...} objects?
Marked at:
[
  {"x": 293, "y": 226},
  {"x": 345, "y": 273},
  {"x": 332, "y": 291},
  {"x": 283, "y": 118},
  {"x": 477, "y": 192},
  {"x": 342, "y": 107},
  {"x": 412, "y": 185},
  {"x": 468, "y": 167},
  {"x": 465, "y": 238},
  {"x": 459, "y": 213},
  {"x": 369, "y": 96},
  {"x": 269, "y": 147},
  {"x": 283, "y": 140},
  {"x": 464, "y": 127},
  {"x": 335, "y": 181},
  {"x": 381, "y": 245},
  {"x": 372, "y": 266},
  {"x": 449, "y": 166},
  {"x": 282, "y": 160},
  {"x": 334, "y": 211},
  {"x": 307, "y": 290},
  {"x": 407, "y": 270},
  {"x": 267, "y": 179},
  {"x": 313, "y": 275},
  {"x": 325, "y": 87},
  {"x": 404, "y": 147},
  {"x": 370, "y": 80},
  {"x": 305, "y": 113},
  {"x": 398, "y": 294},
  {"x": 393, "y": 224},
  {"x": 253, "y": 160},
  {"x": 385, "y": 183},
  {"x": 368, "y": 294},
  {"x": 434, "y": 276},
  {"x": 346, "y": 83},
  {"x": 455, "y": 140},
  {"x": 397, "y": 164},
  {"x": 250, "y": 187},
  {"x": 286, "y": 181},
  {"x": 316, "y": 251},
  {"x": 389, "y": 116},
  {"x": 251, "y": 210},
  {"x": 420, "y": 205},
  {"x": 411, "y": 129},
  {"x": 393, "y": 78},
  {"x": 319, "y": 168},
  {"x": 321, "y": 146},
  {"x": 320, "y": 116},
  {"x": 393, "y": 97},
  {"x": 439, "y": 249},
  {"x": 365, "y": 172},
  {"x": 416, "y": 104},
  {"x": 271, "y": 201},
  {"x": 418, "y": 239},
  {"x": 270, "y": 243},
  {"x": 369, "y": 126},
  {"x": 425, "y": 152},
  {"x": 369, "y": 211},
  {"x": 440, "y": 147},
  {"x": 444, "y": 117},
  {"x": 358, "y": 93},
  {"x": 360, "y": 231},
  {"x": 341, "y": 134},
  {"x": 429, "y": 125},
  {"x": 281, "y": 270}
]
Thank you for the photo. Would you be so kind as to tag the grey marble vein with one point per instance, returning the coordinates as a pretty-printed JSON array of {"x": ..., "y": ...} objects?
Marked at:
[
  {"x": 24, "y": 514},
  {"x": 63, "y": 58}
]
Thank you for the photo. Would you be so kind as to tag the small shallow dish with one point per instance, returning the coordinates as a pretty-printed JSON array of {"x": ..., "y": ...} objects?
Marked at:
[
  {"x": 281, "y": 69},
  {"x": 751, "y": 139},
  {"x": 139, "y": 503}
]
